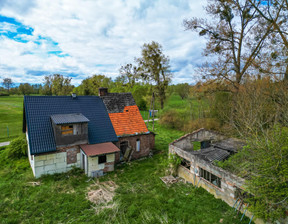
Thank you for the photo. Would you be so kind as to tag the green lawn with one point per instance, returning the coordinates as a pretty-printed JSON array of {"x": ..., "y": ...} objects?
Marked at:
[
  {"x": 11, "y": 109},
  {"x": 140, "y": 198}
]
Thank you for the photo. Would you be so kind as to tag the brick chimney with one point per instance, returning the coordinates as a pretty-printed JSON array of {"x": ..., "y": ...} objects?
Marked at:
[{"x": 103, "y": 91}]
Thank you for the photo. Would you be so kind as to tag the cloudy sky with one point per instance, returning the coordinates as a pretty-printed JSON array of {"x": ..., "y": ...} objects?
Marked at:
[{"x": 78, "y": 38}]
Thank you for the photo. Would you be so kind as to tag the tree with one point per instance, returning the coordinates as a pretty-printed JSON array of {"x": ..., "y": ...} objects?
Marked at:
[
  {"x": 7, "y": 83},
  {"x": 153, "y": 66},
  {"x": 25, "y": 88},
  {"x": 236, "y": 38},
  {"x": 183, "y": 90},
  {"x": 90, "y": 85},
  {"x": 57, "y": 85},
  {"x": 275, "y": 12},
  {"x": 128, "y": 74}
]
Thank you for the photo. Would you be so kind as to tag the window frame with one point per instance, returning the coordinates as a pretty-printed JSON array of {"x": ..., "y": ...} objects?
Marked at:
[
  {"x": 210, "y": 177},
  {"x": 69, "y": 129},
  {"x": 100, "y": 158}
]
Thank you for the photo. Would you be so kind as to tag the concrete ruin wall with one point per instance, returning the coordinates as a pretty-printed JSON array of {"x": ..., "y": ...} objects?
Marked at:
[
  {"x": 229, "y": 181},
  {"x": 186, "y": 142}
]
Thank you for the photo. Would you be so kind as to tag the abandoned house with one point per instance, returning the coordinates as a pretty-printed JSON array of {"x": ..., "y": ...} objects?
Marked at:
[
  {"x": 199, "y": 151},
  {"x": 135, "y": 141},
  {"x": 67, "y": 131}
]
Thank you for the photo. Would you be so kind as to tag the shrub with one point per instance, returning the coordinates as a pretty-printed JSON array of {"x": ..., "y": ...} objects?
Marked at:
[
  {"x": 207, "y": 123},
  {"x": 171, "y": 119},
  {"x": 17, "y": 148}
]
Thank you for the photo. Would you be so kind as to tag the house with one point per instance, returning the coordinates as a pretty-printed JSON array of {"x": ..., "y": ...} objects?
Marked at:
[
  {"x": 199, "y": 151},
  {"x": 135, "y": 140},
  {"x": 67, "y": 131}
]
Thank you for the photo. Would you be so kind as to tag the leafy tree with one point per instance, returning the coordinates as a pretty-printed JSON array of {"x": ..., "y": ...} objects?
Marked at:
[
  {"x": 182, "y": 90},
  {"x": 234, "y": 35},
  {"x": 25, "y": 89},
  {"x": 7, "y": 83},
  {"x": 264, "y": 163},
  {"x": 153, "y": 66},
  {"x": 57, "y": 85},
  {"x": 90, "y": 85}
]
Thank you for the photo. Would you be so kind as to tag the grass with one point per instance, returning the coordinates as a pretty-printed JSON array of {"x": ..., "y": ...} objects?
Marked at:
[
  {"x": 11, "y": 110},
  {"x": 140, "y": 198}
]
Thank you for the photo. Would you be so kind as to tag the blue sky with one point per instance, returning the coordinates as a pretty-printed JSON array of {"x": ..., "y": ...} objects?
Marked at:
[{"x": 79, "y": 38}]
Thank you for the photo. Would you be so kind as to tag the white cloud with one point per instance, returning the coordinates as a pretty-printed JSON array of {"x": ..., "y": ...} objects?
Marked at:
[{"x": 98, "y": 36}]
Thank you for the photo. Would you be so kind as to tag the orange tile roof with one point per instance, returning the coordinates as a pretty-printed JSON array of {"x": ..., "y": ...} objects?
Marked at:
[{"x": 128, "y": 122}]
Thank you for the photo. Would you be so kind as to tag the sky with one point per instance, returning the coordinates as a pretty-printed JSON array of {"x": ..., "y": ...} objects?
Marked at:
[{"x": 79, "y": 38}]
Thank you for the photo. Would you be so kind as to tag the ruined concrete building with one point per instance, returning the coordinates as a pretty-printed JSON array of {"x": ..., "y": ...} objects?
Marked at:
[{"x": 199, "y": 151}]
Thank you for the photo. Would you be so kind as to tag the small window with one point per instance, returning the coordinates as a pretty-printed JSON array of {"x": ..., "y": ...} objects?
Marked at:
[
  {"x": 210, "y": 177},
  {"x": 67, "y": 129},
  {"x": 101, "y": 159},
  {"x": 138, "y": 145}
]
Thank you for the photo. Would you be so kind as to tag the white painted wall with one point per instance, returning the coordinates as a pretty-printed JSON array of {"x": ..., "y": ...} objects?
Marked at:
[{"x": 31, "y": 157}]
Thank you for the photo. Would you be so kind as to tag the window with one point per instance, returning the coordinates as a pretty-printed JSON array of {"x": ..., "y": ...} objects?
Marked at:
[
  {"x": 138, "y": 145},
  {"x": 67, "y": 129},
  {"x": 210, "y": 177},
  {"x": 102, "y": 159}
]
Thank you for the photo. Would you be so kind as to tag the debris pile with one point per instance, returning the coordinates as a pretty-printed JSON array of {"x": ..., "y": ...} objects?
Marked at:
[
  {"x": 168, "y": 180},
  {"x": 103, "y": 193}
]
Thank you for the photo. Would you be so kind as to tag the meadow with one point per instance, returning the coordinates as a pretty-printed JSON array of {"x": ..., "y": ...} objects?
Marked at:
[
  {"x": 141, "y": 197},
  {"x": 11, "y": 110}
]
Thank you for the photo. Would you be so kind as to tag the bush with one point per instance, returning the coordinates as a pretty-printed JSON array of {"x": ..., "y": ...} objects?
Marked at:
[
  {"x": 207, "y": 123},
  {"x": 171, "y": 119},
  {"x": 17, "y": 148}
]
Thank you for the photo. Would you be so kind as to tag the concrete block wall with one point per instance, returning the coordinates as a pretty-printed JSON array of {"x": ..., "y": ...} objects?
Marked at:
[
  {"x": 53, "y": 163},
  {"x": 93, "y": 164}
]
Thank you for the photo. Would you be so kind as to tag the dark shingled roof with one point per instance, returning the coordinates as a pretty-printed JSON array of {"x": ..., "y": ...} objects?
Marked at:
[
  {"x": 115, "y": 102},
  {"x": 69, "y": 118},
  {"x": 38, "y": 110}
]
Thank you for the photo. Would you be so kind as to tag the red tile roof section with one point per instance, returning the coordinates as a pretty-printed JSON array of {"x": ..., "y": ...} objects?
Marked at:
[
  {"x": 99, "y": 149},
  {"x": 128, "y": 122}
]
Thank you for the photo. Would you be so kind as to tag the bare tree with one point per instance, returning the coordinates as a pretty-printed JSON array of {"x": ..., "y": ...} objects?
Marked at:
[{"x": 230, "y": 38}]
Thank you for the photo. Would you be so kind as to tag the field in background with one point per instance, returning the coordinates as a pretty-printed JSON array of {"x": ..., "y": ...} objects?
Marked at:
[{"x": 11, "y": 110}]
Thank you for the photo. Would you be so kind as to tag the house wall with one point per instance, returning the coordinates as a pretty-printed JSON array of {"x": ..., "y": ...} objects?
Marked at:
[
  {"x": 93, "y": 164},
  {"x": 30, "y": 157},
  {"x": 147, "y": 142},
  {"x": 57, "y": 162}
]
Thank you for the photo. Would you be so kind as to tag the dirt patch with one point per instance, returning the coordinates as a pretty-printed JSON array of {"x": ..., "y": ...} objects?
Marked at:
[{"x": 102, "y": 193}]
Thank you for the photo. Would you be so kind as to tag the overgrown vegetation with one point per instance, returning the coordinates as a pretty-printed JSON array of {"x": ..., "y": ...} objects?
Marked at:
[
  {"x": 17, "y": 148},
  {"x": 264, "y": 163},
  {"x": 141, "y": 197}
]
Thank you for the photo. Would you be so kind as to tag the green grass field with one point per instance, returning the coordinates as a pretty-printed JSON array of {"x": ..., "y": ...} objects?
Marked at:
[
  {"x": 11, "y": 110},
  {"x": 141, "y": 197}
]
